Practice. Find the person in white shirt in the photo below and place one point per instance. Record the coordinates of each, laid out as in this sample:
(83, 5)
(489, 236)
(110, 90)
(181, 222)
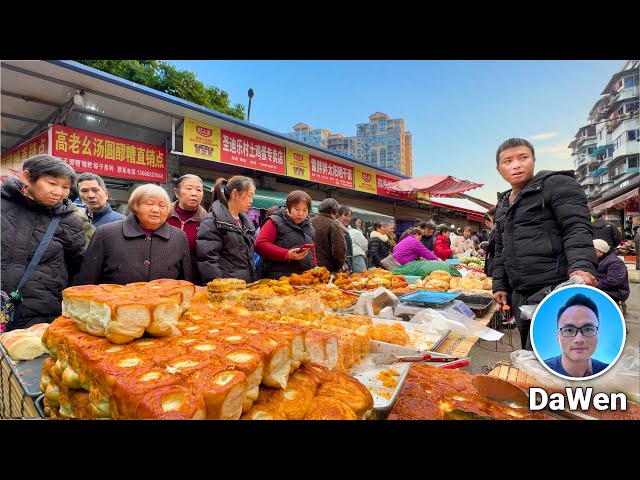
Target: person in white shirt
(360, 248)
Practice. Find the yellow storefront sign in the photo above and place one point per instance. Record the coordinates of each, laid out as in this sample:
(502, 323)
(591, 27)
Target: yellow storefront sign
(298, 164)
(365, 180)
(422, 197)
(201, 140)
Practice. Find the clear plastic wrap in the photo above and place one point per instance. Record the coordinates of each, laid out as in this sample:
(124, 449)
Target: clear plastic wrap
(527, 311)
(456, 322)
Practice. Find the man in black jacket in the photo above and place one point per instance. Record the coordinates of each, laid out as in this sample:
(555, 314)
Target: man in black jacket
(603, 230)
(543, 232)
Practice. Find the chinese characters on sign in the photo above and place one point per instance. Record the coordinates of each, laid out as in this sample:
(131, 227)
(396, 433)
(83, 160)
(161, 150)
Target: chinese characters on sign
(297, 164)
(365, 180)
(248, 152)
(201, 140)
(104, 155)
(330, 172)
(12, 160)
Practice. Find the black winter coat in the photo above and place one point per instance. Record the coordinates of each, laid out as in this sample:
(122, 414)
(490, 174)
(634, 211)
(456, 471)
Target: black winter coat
(544, 235)
(223, 249)
(613, 277)
(606, 231)
(23, 226)
(378, 249)
(120, 252)
(490, 250)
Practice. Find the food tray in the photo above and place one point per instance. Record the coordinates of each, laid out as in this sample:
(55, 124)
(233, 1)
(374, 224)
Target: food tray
(426, 297)
(40, 406)
(18, 393)
(421, 337)
(479, 305)
(369, 375)
(31, 372)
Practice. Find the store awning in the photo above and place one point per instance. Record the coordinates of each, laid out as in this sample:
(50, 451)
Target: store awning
(438, 185)
(598, 172)
(610, 203)
(459, 204)
(369, 216)
(265, 198)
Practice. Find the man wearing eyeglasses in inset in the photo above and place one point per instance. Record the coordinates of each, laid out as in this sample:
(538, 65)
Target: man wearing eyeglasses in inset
(577, 334)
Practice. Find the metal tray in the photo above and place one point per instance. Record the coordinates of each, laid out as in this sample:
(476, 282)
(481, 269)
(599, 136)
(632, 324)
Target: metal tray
(368, 374)
(40, 405)
(426, 297)
(479, 305)
(31, 372)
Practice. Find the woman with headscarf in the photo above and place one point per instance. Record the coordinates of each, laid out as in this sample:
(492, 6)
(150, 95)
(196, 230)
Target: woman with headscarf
(29, 204)
(224, 247)
(140, 248)
(186, 213)
(281, 236)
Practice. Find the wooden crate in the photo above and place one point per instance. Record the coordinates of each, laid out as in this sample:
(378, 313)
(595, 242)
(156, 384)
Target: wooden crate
(14, 402)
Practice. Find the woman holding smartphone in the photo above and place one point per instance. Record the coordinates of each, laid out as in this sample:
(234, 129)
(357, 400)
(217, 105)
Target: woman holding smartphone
(285, 239)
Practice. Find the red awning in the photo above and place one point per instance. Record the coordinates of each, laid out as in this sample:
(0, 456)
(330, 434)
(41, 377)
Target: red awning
(626, 196)
(460, 204)
(434, 185)
(475, 218)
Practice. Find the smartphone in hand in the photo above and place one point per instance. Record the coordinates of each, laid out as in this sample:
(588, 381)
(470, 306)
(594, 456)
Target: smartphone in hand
(306, 246)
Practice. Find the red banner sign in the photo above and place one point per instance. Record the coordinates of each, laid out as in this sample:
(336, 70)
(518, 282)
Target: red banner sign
(248, 152)
(110, 156)
(331, 173)
(13, 159)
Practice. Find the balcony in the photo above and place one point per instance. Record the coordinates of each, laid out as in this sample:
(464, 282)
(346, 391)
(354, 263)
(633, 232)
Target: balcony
(630, 147)
(587, 140)
(624, 94)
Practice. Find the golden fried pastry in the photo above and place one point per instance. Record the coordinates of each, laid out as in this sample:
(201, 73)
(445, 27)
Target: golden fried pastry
(440, 275)
(172, 403)
(327, 408)
(219, 285)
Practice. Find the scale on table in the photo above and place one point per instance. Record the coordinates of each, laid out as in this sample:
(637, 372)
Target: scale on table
(441, 301)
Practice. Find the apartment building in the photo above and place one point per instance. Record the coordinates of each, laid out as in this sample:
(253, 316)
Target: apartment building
(605, 151)
(383, 142)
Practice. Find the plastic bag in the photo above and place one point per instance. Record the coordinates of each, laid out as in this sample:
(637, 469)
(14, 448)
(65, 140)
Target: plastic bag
(455, 322)
(527, 311)
(423, 268)
(371, 303)
(623, 377)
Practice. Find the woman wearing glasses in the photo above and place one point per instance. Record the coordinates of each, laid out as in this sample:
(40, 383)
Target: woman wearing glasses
(577, 334)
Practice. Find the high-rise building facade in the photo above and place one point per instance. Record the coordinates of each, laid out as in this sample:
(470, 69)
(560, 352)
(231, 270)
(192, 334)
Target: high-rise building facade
(605, 151)
(383, 142)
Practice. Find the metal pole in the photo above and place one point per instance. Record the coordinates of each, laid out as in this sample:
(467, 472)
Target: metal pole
(250, 93)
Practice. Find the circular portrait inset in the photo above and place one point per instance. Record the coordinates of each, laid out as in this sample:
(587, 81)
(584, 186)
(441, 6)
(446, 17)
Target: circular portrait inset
(578, 332)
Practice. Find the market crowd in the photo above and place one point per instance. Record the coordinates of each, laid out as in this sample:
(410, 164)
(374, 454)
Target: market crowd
(538, 235)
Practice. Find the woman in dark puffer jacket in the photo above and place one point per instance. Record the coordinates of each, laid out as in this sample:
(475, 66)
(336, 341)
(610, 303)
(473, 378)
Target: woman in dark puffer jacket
(379, 246)
(224, 246)
(28, 205)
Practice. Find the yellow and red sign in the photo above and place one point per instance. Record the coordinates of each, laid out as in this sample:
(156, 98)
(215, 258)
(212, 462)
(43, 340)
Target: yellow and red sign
(365, 180)
(236, 149)
(109, 156)
(330, 172)
(423, 197)
(201, 140)
(13, 159)
(298, 164)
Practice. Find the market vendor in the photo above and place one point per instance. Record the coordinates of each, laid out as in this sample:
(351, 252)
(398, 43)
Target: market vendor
(411, 248)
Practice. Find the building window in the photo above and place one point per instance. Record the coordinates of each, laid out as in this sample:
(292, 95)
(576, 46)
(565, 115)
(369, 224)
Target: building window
(631, 82)
(632, 162)
(633, 134)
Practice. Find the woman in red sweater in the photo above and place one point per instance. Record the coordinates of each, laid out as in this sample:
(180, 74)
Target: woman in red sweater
(441, 248)
(281, 237)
